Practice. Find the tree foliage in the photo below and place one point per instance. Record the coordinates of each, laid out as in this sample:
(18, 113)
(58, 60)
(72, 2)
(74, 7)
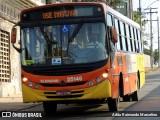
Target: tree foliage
(113, 3)
(156, 56)
(145, 42)
(146, 51)
(137, 18)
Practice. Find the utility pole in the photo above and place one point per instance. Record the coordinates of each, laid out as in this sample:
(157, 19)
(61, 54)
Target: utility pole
(140, 13)
(151, 35)
(158, 42)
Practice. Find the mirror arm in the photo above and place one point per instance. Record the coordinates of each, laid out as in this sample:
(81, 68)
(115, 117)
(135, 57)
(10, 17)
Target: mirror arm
(17, 24)
(17, 49)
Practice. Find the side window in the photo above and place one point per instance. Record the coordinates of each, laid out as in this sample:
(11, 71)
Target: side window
(122, 35)
(117, 27)
(128, 37)
(109, 20)
(139, 41)
(135, 39)
(132, 38)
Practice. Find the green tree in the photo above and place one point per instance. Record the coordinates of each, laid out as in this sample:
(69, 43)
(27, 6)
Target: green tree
(137, 18)
(155, 53)
(113, 3)
(146, 51)
(145, 43)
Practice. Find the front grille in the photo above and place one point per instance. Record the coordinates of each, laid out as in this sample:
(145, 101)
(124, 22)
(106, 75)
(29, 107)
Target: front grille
(72, 92)
(67, 84)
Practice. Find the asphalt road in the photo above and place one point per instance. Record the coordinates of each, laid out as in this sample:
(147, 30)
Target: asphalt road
(149, 102)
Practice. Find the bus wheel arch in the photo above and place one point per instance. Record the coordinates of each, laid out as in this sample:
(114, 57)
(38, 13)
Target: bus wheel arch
(113, 103)
(126, 98)
(134, 95)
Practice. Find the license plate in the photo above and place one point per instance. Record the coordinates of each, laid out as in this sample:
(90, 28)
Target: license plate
(63, 93)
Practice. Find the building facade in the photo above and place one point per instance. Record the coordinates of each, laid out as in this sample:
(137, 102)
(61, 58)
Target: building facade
(10, 77)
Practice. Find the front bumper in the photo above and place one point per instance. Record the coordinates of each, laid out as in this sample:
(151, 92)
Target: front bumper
(100, 91)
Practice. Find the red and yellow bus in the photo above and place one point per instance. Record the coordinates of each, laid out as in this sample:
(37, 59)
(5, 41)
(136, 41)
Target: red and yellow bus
(79, 52)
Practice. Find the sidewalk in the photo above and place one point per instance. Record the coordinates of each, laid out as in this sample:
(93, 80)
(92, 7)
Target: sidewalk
(15, 103)
(14, 98)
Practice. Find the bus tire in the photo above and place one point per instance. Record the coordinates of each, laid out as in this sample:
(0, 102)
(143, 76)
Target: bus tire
(127, 98)
(134, 96)
(50, 108)
(113, 104)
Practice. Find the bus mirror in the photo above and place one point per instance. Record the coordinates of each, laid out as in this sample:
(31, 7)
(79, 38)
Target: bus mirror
(13, 35)
(114, 35)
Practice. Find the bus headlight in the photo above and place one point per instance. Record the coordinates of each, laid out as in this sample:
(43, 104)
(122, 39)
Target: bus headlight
(90, 83)
(105, 75)
(98, 80)
(25, 79)
(30, 84)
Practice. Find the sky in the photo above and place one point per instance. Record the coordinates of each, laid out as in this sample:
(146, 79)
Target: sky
(152, 4)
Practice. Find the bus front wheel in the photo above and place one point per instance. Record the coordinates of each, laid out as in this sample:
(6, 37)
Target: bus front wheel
(113, 104)
(50, 108)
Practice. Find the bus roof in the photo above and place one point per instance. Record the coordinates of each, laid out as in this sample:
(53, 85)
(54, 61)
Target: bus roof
(66, 3)
(106, 8)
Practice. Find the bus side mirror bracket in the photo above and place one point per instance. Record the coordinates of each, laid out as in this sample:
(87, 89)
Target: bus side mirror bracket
(14, 37)
(114, 34)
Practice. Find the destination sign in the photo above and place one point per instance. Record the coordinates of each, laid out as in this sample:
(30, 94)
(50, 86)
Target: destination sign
(60, 14)
(54, 12)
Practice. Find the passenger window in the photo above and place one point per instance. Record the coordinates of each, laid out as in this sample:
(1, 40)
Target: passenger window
(117, 27)
(122, 36)
(135, 40)
(128, 37)
(139, 41)
(109, 20)
(132, 38)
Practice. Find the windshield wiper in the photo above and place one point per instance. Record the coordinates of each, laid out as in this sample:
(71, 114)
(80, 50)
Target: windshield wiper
(75, 32)
(46, 37)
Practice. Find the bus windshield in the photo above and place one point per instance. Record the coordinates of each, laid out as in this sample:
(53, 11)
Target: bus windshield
(63, 44)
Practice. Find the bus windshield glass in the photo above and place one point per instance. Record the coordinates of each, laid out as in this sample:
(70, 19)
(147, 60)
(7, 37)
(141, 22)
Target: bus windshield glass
(63, 44)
